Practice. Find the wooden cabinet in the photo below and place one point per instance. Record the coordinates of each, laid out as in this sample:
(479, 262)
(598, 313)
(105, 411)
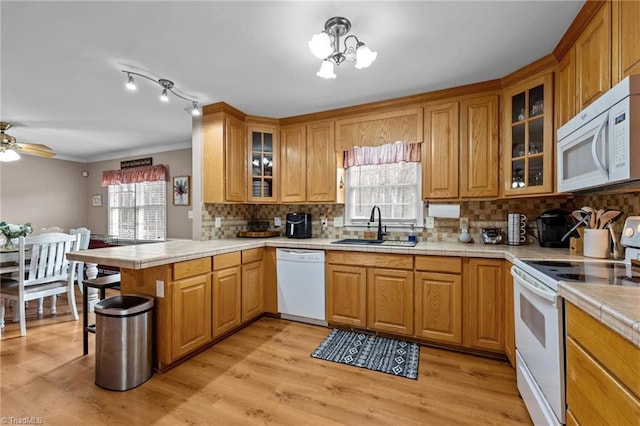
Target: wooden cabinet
(565, 88)
(483, 295)
(223, 158)
(593, 58)
(370, 290)
(252, 284)
(191, 310)
(528, 138)
(321, 163)
(479, 147)
(438, 298)
(603, 373)
(293, 184)
(460, 152)
(346, 295)
(625, 16)
(390, 300)
(270, 279)
(379, 129)
(262, 160)
(227, 276)
(509, 318)
(308, 163)
(440, 151)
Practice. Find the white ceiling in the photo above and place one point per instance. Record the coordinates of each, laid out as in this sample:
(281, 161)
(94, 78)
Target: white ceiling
(61, 61)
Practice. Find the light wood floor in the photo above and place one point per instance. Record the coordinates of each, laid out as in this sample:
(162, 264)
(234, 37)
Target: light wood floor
(261, 375)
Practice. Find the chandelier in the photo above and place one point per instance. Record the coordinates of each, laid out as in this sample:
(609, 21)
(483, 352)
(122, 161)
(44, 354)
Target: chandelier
(167, 86)
(326, 46)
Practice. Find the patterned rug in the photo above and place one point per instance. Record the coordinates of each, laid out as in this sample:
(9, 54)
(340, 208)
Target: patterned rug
(376, 353)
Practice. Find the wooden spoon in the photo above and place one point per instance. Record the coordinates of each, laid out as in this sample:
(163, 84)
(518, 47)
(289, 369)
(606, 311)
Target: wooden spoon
(609, 216)
(592, 216)
(599, 214)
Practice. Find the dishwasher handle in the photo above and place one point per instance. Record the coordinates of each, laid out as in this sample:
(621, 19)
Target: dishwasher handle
(298, 255)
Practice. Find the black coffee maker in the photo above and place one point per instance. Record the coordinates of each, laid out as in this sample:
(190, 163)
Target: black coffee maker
(552, 226)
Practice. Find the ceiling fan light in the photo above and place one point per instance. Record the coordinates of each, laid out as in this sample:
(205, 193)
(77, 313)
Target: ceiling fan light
(364, 56)
(320, 45)
(7, 155)
(131, 85)
(326, 70)
(164, 97)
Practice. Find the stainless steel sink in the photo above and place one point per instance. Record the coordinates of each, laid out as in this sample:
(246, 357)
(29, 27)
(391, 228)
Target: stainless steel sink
(360, 241)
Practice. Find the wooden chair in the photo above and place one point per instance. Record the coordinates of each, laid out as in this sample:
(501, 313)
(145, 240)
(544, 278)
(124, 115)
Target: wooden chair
(85, 237)
(48, 273)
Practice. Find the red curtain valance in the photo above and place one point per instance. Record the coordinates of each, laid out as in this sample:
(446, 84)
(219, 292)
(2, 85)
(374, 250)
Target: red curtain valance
(383, 154)
(135, 175)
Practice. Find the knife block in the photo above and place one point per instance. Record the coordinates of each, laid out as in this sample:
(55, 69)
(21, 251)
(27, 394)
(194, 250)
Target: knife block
(576, 244)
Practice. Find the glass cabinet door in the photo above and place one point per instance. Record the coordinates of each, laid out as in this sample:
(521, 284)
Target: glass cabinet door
(529, 154)
(261, 167)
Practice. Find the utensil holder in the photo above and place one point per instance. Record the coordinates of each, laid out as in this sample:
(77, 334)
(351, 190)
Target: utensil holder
(596, 243)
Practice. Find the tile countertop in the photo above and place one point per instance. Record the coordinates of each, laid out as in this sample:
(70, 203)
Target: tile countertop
(616, 307)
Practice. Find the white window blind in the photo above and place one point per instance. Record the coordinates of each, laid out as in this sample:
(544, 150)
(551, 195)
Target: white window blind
(395, 188)
(138, 211)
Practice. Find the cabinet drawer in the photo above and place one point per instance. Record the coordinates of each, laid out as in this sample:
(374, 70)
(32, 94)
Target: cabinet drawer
(226, 260)
(593, 395)
(191, 268)
(380, 260)
(617, 354)
(252, 255)
(450, 265)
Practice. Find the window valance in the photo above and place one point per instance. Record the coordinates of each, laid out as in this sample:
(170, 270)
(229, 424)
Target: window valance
(135, 175)
(383, 154)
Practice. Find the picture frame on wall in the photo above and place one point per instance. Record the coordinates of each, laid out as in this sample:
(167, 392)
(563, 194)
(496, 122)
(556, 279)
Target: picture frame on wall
(96, 200)
(181, 191)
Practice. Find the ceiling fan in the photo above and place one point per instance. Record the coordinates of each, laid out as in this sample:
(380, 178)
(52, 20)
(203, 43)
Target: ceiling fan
(9, 148)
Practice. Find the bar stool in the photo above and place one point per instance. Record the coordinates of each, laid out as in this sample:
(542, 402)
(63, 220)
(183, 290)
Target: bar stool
(102, 284)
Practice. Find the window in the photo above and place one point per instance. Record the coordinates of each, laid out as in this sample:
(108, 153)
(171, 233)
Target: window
(395, 188)
(137, 211)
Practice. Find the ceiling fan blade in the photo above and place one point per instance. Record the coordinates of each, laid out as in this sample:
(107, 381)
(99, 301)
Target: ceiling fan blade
(35, 151)
(35, 146)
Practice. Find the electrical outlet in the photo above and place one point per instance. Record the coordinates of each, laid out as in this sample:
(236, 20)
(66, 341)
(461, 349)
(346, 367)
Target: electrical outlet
(430, 222)
(218, 222)
(324, 222)
(338, 221)
(277, 221)
(464, 223)
(190, 214)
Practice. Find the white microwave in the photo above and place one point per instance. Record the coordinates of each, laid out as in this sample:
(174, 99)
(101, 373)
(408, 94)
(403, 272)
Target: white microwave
(601, 145)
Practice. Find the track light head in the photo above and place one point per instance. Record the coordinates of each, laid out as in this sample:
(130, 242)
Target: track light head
(167, 86)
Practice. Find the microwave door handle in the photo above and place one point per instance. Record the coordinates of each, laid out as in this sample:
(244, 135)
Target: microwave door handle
(596, 143)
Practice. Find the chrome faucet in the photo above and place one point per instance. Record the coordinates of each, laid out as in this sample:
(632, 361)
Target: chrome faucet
(373, 219)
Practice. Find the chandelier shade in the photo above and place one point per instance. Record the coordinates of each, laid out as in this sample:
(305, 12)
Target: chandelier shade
(167, 87)
(326, 46)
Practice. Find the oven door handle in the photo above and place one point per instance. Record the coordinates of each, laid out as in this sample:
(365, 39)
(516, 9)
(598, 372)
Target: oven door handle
(536, 288)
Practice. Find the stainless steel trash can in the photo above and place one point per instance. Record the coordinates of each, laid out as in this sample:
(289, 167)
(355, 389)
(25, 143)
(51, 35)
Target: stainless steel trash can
(124, 338)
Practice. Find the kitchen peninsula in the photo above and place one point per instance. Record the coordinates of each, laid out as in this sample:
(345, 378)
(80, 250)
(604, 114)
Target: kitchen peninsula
(238, 277)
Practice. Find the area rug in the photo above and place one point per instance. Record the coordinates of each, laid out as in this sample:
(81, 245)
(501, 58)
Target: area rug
(376, 353)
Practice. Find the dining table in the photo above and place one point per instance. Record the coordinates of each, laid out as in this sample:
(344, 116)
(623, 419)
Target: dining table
(9, 260)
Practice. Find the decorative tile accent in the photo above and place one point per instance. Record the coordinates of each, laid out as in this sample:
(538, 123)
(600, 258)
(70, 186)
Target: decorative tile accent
(481, 214)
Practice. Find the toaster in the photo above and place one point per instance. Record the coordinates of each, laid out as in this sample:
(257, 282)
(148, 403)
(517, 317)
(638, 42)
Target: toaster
(491, 235)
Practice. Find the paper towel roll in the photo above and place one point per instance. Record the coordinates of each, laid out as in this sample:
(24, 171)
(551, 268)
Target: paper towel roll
(444, 210)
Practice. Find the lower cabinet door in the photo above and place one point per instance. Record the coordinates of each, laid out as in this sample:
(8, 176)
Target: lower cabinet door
(226, 300)
(191, 314)
(346, 295)
(438, 307)
(390, 300)
(252, 291)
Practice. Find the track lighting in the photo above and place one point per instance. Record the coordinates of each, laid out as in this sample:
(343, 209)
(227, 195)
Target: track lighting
(326, 46)
(167, 86)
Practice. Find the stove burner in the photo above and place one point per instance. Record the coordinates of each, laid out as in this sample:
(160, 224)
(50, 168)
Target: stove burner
(579, 277)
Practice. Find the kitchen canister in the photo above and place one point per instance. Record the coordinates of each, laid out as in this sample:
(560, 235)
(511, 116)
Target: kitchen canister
(596, 243)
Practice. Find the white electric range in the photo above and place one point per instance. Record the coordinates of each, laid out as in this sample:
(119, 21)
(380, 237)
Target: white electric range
(539, 320)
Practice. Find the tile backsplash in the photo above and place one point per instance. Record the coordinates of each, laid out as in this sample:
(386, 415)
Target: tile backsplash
(481, 214)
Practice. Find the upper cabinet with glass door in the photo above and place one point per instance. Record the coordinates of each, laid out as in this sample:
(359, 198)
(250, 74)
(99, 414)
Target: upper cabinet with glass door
(262, 159)
(528, 138)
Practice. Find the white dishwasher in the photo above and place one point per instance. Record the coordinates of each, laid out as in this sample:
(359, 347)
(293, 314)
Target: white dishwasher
(301, 285)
